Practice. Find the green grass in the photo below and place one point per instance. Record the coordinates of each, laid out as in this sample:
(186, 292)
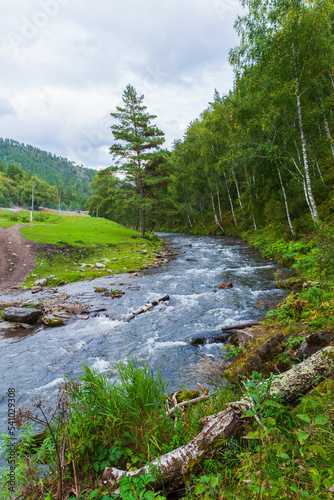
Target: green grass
(85, 240)
(82, 240)
(79, 232)
(9, 218)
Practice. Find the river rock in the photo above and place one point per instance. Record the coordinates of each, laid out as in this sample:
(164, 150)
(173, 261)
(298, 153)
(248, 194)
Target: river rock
(314, 343)
(35, 289)
(22, 315)
(56, 319)
(36, 303)
(100, 266)
(41, 282)
(7, 325)
(209, 338)
(246, 336)
(225, 284)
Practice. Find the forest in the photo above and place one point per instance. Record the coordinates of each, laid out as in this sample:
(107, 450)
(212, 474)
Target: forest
(72, 180)
(261, 156)
(16, 188)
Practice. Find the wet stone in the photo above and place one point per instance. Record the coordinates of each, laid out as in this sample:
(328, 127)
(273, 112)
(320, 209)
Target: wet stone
(22, 315)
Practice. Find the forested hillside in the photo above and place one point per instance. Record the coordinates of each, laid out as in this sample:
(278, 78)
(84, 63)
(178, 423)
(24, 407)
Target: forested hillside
(72, 180)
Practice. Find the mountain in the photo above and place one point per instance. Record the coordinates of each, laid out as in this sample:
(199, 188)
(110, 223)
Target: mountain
(57, 171)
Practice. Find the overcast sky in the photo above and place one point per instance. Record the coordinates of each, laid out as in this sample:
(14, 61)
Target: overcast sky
(65, 63)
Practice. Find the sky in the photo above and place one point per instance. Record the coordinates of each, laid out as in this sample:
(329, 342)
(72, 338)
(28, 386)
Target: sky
(65, 64)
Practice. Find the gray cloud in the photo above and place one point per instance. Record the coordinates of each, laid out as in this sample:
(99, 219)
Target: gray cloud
(5, 107)
(66, 63)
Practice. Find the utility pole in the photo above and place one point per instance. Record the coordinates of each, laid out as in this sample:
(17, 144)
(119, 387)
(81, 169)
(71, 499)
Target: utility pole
(59, 202)
(32, 203)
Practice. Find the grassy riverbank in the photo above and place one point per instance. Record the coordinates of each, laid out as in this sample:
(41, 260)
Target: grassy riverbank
(75, 248)
(284, 451)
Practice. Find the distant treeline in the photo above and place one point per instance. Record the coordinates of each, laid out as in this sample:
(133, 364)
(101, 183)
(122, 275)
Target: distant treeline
(72, 180)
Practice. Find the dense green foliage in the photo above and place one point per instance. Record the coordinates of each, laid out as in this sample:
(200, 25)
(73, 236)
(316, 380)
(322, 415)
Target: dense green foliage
(16, 188)
(284, 452)
(72, 180)
(262, 156)
(136, 146)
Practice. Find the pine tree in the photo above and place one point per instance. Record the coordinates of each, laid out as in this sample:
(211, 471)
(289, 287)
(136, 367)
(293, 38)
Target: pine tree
(137, 144)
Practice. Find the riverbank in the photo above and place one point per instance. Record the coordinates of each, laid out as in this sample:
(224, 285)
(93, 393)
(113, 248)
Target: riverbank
(62, 249)
(235, 468)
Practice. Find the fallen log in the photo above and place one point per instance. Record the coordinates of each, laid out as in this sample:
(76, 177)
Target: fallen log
(240, 327)
(174, 468)
(303, 377)
(148, 306)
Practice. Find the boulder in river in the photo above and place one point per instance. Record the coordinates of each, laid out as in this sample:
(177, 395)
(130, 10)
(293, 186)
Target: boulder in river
(22, 314)
(41, 282)
(56, 319)
(225, 284)
(210, 338)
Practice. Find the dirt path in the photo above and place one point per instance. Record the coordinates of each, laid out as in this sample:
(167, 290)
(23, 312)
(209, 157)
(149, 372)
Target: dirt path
(17, 257)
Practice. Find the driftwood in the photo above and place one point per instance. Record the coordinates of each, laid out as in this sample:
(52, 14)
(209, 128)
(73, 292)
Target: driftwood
(240, 327)
(183, 404)
(174, 468)
(147, 307)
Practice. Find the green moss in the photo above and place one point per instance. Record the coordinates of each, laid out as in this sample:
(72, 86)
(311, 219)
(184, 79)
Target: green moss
(186, 395)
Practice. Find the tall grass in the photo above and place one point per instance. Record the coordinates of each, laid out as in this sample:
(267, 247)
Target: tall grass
(118, 423)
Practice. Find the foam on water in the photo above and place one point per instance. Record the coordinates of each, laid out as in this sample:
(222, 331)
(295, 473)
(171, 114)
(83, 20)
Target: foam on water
(160, 337)
(100, 365)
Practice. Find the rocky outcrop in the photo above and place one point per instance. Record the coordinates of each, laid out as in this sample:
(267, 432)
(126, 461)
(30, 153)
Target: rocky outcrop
(22, 314)
(313, 343)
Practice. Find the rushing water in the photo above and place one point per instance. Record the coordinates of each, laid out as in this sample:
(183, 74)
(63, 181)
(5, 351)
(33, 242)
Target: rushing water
(34, 362)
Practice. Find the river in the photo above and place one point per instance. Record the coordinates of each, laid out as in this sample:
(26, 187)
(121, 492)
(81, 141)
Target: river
(34, 362)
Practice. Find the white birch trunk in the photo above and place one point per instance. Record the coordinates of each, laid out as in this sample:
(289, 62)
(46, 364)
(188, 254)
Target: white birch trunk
(214, 212)
(286, 203)
(219, 207)
(329, 137)
(236, 186)
(319, 171)
(231, 203)
(314, 211)
(254, 223)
